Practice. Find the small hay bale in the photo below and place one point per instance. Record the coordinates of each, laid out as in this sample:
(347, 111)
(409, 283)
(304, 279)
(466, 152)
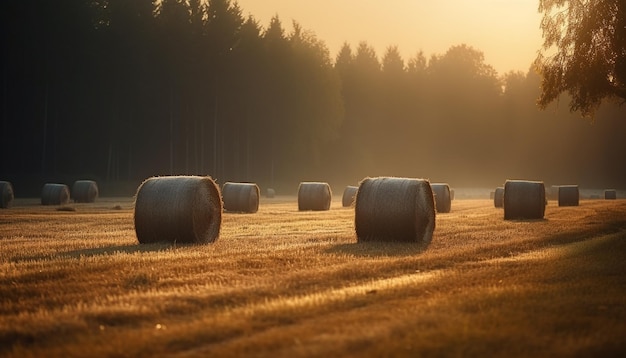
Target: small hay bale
(395, 209)
(524, 199)
(442, 197)
(314, 196)
(270, 193)
(6, 195)
(55, 194)
(178, 209)
(498, 197)
(349, 194)
(610, 194)
(568, 195)
(240, 197)
(85, 191)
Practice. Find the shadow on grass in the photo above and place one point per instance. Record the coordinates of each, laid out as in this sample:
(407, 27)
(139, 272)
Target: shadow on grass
(127, 249)
(378, 249)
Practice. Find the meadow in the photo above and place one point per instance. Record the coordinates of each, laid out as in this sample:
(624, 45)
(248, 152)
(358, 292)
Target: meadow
(285, 283)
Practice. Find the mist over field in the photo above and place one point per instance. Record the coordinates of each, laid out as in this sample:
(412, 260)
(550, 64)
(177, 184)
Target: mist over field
(128, 91)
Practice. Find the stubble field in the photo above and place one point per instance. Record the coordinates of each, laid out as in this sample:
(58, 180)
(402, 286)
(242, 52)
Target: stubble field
(284, 283)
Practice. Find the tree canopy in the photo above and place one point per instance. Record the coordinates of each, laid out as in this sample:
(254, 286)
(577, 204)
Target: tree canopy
(120, 90)
(584, 52)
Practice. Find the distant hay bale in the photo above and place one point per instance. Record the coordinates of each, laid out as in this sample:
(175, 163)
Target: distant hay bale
(314, 196)
(55, 194)
(349, 194)
(524, 199)
(498, 197)
(442, 197)
(610, 194)
(568, 195)
(270, 193)
(178, 209)
(552, 192)
(394, 209)
(240, 197)
(6, 195)
(85, 191)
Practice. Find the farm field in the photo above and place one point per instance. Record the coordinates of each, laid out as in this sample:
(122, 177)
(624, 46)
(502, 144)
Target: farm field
(284, 283)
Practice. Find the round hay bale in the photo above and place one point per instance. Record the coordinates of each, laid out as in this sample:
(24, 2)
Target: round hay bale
(314, 196)
(349, 194)
(240, 197)
(6, 194)
(568, 195)
(610, 194)
(270, 193)
(442, 197)
(524, 199)
(85, 191)
(178, 209)
(498, 197)
(55, 194)
(395, 209)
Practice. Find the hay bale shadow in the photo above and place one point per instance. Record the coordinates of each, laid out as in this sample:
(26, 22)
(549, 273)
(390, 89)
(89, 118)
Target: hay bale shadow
(378, 249)
(111, 250)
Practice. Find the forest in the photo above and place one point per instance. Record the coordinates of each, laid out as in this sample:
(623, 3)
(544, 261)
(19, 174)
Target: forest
(121, 90)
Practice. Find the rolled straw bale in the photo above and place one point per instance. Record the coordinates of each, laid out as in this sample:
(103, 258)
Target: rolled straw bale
(349, 194)
(610, 194)
(394, 209)
(6, 194)
(55, 194)
(85, 191)
(498, 197)
(524, 199)
(178, 209)
(442, 197)
(270, 193)
(552, 192)
(314, 196)
(240, 197)
(568, 195)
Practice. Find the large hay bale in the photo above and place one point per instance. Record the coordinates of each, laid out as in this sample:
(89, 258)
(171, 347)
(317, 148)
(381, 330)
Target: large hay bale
(610, 194)
(569, 195)
(55, 194)
(395, 209)
(178, 209)
(524, 199)
(498, 197)
(85, 191)
(349, 194)
(6, 194)
(314, 196)
(443, 201)
(240, 197)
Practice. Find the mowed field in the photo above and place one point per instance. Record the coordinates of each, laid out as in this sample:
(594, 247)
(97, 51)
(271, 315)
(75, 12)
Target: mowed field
(284, 283)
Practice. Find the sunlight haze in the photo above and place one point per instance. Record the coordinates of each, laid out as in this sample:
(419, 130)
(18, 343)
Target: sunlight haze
(506, 31)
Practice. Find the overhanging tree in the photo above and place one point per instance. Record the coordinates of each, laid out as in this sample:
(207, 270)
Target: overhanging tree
(584, 52)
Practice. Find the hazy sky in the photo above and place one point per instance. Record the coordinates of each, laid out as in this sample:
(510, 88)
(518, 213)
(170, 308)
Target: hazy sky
(506, 31)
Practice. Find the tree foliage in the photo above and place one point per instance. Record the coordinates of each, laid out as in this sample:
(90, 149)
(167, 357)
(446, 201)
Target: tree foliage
(120, 90)
(584, 52)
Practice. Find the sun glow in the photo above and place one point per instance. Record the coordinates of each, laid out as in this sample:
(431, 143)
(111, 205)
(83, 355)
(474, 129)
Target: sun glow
(506, 31)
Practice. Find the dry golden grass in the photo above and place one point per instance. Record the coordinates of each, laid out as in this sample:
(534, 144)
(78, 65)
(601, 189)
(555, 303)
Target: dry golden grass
(285, 283)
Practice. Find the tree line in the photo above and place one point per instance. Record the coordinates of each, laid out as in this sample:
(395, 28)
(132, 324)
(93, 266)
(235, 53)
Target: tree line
(120, 90)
